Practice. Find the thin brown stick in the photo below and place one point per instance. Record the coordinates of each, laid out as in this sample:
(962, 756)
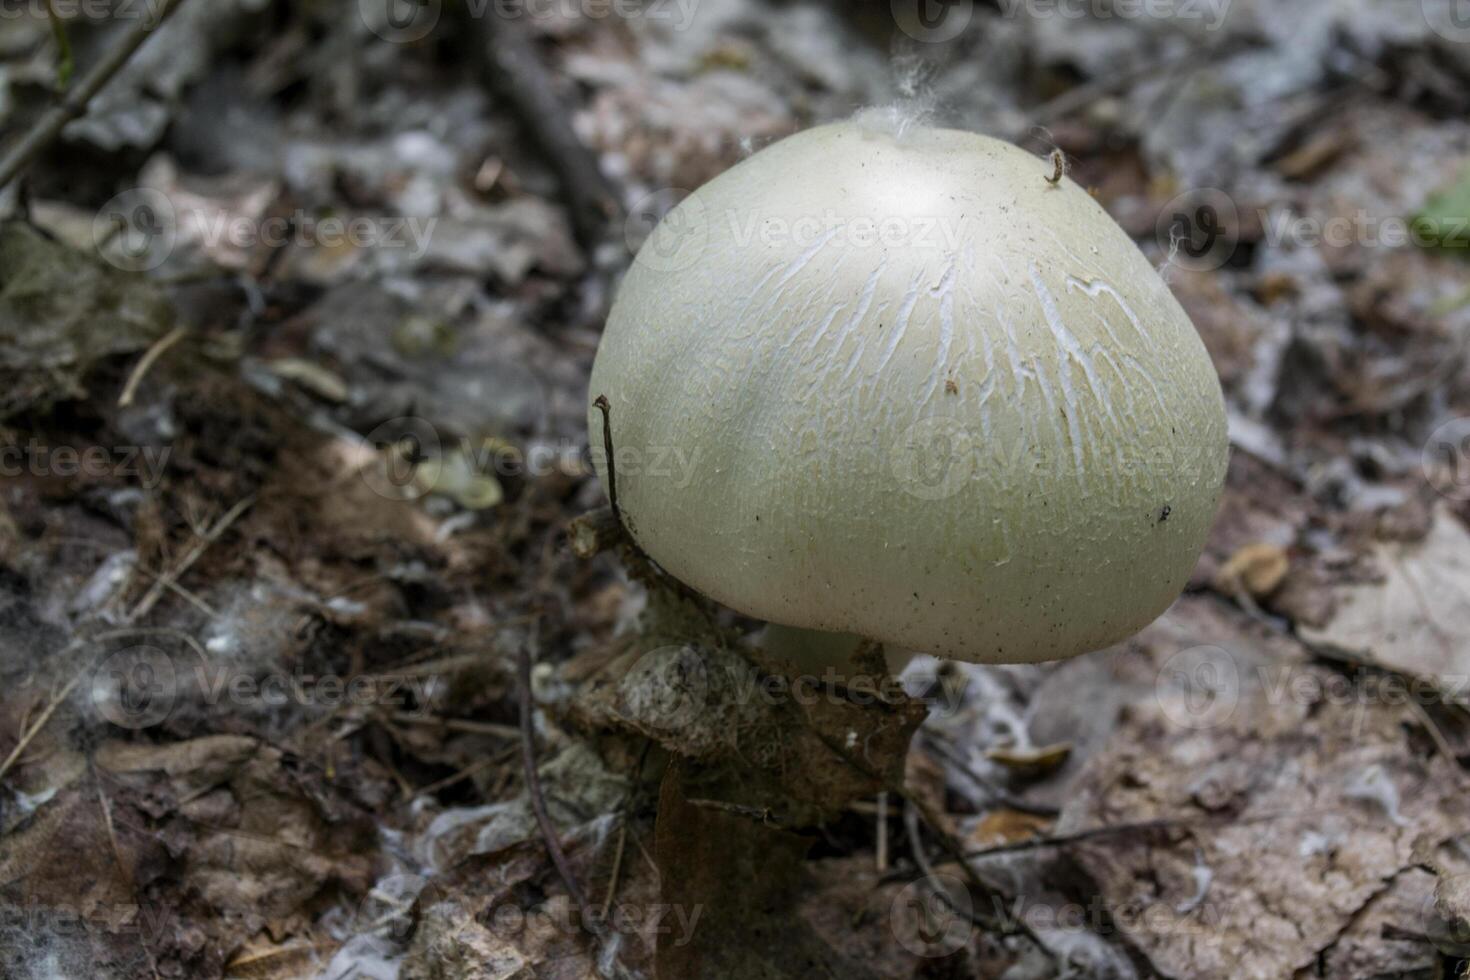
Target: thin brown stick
(515, 73)
(117, 854)
(760, 814)
(882, 843)
(74, 105)
(605, 407)
(463, 774)
(612, 885)
(1112, 830)
(209, 537)
(538, 799)
(456, 724)
(950, 845)
(29, 735)
(180, 591)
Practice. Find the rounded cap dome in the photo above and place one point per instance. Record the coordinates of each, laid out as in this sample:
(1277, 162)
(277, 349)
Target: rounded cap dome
(904, 386)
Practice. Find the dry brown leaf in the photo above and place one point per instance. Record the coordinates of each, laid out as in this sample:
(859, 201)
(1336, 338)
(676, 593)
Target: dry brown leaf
(1003, 826)
(1313, 803)
(1413, 621)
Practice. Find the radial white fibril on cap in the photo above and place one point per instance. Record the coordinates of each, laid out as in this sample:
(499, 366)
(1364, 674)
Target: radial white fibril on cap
(927, 396)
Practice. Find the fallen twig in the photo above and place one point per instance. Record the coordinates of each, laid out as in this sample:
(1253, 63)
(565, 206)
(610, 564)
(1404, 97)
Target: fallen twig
(117, 855)
(605, 407)
(612, 885)
(456, 724)
(760, 814)
(74, 105)
(514, 71)
(209, 537)
(951, 846)
(463, 774)
(881, 857)
(1113, 830)
(538, 800)
(40, 723)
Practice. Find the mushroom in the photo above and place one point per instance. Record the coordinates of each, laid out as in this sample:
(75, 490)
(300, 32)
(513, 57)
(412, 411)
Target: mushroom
(922, 394)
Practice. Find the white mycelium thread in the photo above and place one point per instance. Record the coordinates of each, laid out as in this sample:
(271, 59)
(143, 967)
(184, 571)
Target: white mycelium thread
(930, 398)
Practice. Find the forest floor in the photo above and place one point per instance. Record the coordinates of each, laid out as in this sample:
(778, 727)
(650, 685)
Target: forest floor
(258, 667)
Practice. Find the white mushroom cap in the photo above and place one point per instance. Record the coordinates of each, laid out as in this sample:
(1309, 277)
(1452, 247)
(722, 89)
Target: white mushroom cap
(906, 387)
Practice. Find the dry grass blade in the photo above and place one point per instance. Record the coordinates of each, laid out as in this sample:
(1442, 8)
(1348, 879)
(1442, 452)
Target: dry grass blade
(38, 724)
(209, 537)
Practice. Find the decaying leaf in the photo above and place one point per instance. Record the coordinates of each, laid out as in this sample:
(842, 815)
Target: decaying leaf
(1293, 810)
(62, 313)
(1413, 620)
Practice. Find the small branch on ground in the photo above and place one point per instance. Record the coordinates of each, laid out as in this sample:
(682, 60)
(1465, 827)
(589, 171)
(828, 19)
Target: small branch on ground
(951, 846)
(538, 800)
(209, 537)
(760, 814)
(74, 105)
(40, 723)
(514, 71)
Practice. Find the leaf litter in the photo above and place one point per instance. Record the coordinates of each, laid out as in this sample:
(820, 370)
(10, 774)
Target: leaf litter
(1268, 782)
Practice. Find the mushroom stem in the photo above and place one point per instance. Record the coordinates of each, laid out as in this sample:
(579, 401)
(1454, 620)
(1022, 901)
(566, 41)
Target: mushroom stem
(816, 652)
